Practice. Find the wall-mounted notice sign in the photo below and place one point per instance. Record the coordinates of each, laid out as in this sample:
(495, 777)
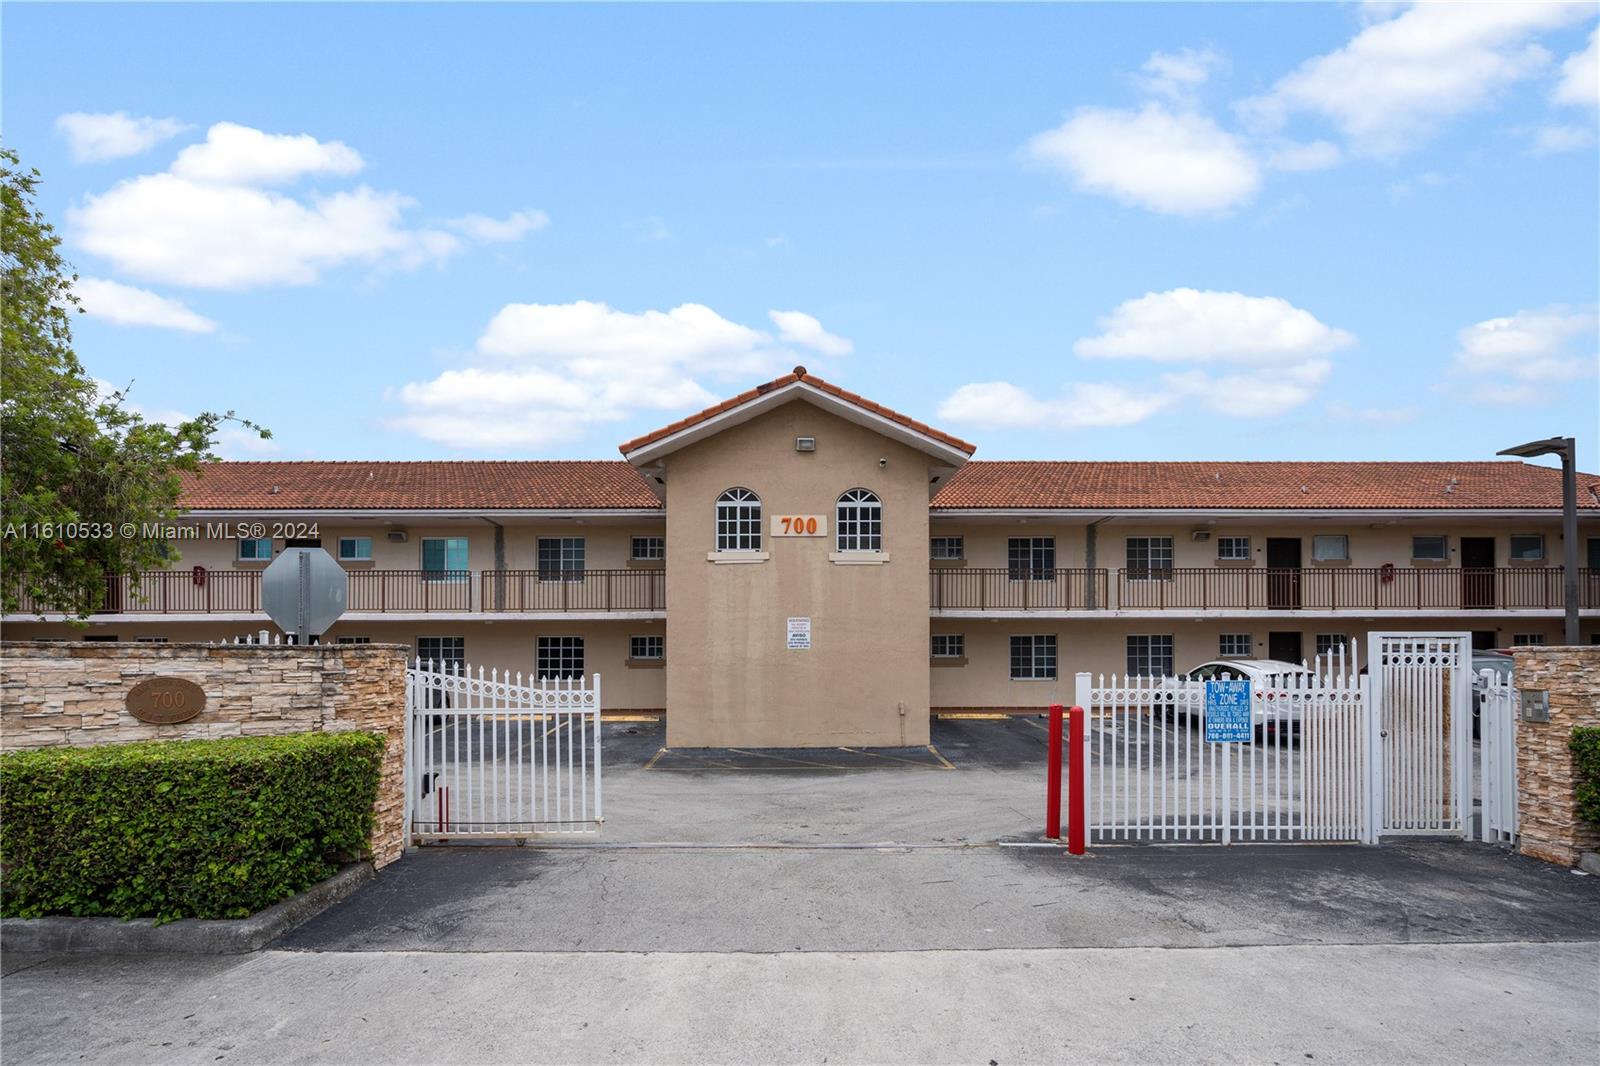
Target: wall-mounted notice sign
(799, 525)
(799, 634)
(1229, 719)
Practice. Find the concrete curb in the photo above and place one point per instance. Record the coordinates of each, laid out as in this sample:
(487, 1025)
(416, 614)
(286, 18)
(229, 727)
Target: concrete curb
(188, 936)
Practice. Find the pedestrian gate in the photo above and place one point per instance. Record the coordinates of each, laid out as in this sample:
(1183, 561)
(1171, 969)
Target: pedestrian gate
(1338, 752)
(490, 755)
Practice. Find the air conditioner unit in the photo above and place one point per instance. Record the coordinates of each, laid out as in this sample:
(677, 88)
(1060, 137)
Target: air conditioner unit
(1200, 534)
(397, 536)
(805, 444)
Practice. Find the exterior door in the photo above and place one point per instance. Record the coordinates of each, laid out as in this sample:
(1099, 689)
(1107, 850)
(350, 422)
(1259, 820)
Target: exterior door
(1283, 574)
(1477, 572)
(1285, 647)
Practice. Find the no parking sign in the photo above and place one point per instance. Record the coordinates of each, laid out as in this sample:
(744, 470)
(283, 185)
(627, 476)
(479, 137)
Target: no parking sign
(1228, 718)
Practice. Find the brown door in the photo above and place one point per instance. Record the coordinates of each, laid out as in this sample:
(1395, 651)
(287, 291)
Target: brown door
(1283, 573)
(1477, 571)
(1285, 647)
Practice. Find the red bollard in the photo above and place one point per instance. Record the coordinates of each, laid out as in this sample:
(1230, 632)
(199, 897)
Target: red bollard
(1052, 801)
(1078, 813)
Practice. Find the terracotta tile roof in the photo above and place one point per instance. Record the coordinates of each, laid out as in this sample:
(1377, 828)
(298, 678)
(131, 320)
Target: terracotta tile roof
(489, 485)
(1245, 486)
(799, 374)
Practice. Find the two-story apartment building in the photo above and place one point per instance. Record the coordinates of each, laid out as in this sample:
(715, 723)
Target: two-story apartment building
(835, 570)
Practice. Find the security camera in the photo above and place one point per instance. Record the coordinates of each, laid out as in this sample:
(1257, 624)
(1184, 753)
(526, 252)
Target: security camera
(882, 463)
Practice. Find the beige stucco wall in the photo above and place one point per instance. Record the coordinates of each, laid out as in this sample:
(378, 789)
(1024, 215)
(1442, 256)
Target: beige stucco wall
(732, 680)
(501, 645)
(73, 694)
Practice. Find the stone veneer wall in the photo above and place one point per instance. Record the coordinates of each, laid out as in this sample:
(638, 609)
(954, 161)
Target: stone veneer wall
(1549, 826)
(72, 693)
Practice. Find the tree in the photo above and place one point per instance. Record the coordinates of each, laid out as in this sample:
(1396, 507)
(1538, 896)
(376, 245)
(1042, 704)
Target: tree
(79, 469)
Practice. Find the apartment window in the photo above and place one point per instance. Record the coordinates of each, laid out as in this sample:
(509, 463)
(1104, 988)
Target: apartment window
(1435, 549)
(1594, 554)
(1233, 549)
(1150, 656)
(858, 526)
(560, 558)
(1150, 558)
(1033, 658)
(949, 645)
(646, 648)
(444, 558)
(355, 640)
(1031, 558)
(947, 548)
(560, 657)
(1527, 547)
(1330, 548)
(1526, 640)
(1332, 642)
(149, 640)
(355, 549)
(649, 549)
(255, 549)
(1234, 645)
(738, 521)
(447, 653)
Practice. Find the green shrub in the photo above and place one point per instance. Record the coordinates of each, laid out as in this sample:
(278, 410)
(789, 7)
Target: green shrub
(194, 828)
(1585, 745)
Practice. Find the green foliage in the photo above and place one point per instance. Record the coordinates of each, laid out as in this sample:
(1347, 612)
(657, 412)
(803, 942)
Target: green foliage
(74, 451)
(194, 828)
(1585, 746)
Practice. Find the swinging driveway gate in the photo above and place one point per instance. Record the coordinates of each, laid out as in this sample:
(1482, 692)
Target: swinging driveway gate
(1337, 754)
(492, 756)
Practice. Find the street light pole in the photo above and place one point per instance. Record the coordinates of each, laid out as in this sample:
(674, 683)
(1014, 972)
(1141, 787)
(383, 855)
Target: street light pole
(1567, 449)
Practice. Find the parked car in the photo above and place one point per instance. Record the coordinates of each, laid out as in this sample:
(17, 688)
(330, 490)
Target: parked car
(1500, 663)
(1266, 677)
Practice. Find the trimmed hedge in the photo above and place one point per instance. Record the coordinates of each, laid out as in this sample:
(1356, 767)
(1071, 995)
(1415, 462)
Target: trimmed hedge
(182, 829)
(1585, 746)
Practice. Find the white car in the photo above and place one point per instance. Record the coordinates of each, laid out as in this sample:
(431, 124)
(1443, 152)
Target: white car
(1267, 687)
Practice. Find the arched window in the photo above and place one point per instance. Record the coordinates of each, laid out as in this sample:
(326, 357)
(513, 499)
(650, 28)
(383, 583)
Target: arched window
(859, 522)
(738, 521)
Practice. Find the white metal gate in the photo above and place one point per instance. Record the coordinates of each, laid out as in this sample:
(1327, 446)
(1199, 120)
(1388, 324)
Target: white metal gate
(1152, 777)
(1496, 703)
(490, 755)
(1422, 721)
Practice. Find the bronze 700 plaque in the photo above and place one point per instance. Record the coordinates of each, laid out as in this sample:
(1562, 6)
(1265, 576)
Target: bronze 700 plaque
(166, 700)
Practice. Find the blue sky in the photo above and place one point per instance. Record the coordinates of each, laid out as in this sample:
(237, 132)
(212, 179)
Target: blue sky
(1079, 232)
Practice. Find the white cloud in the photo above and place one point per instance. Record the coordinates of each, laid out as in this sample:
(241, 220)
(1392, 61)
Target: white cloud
(1532, 347)
(238, 155)
(209, 227)
(1000, 404)
(797, 327)
(1551, 140)
(1374, 416)
(128, 306)
(1261, 394)
(1580, 76)
(1179, 75)
(1401, 76)
(1294, 156)
(1165, 161)
(1190, 325)
(92, 138)
(555, 369)
(513, 227)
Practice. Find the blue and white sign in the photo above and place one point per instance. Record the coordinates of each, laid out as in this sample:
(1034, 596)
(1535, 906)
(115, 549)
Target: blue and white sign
(1228, 716)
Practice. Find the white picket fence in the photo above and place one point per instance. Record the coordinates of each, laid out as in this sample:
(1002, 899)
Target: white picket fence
(1152, 777)
(492, 755)
(1498, 709)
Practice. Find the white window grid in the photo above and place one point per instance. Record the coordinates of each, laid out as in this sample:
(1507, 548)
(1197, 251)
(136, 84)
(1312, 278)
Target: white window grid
(1233, 549)
(947, 548)
(1430, 547)
(561, 558)
(1031, 558)
(255, 549)
(1150, 655)
(738, 521)
(1527, 547)
(1235, 645)
(560, 657)
(1149, 558)
(355, 640)
(355, 549)
(1526, 640)
(649, 549)
(1328, 643)
(858, 525)
(949, 645)
(1330, 548)
(647, 647)
(444, 559)
(1033, 657)
(449, 651)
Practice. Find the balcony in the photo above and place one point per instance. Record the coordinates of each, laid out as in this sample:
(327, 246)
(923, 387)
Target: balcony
(398, 592)
(1004, 589)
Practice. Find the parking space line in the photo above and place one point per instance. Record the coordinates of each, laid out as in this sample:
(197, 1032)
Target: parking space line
(795, 762)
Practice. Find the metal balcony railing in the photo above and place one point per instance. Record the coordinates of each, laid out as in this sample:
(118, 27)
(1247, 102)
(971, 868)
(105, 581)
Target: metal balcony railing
(572, 590)
(1024, 588)
(1387, 588)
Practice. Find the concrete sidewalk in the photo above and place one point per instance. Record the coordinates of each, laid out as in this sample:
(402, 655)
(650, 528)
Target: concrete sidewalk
(1499, 1003)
